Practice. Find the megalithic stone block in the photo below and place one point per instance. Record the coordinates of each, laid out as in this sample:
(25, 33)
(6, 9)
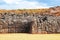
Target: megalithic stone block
(34, 26)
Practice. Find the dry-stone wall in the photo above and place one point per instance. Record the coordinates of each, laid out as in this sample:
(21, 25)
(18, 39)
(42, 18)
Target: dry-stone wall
(26, 23)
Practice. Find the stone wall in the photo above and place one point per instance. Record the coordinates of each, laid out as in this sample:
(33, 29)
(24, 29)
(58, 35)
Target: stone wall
(26, 23)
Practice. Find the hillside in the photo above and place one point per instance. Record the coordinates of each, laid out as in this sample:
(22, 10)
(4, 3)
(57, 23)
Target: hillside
(51, 11)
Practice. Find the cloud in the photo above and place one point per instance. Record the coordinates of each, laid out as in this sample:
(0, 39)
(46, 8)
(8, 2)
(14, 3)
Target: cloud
(23, 4)
(12, 1)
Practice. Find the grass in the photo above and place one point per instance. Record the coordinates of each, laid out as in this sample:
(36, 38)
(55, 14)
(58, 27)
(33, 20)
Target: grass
(21, 36)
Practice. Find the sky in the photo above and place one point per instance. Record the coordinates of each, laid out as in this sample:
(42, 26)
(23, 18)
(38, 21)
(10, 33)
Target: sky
(28, 4)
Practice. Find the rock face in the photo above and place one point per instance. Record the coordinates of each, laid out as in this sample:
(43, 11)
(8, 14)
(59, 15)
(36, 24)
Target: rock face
(26, 23)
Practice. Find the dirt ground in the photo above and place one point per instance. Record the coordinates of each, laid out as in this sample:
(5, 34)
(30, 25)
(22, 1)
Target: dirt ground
(29, 36)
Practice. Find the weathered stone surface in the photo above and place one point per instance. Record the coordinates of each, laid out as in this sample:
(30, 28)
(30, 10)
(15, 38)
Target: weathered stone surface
(26, 23)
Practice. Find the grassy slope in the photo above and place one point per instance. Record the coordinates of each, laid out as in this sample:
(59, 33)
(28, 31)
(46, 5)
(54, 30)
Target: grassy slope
(30, 11)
